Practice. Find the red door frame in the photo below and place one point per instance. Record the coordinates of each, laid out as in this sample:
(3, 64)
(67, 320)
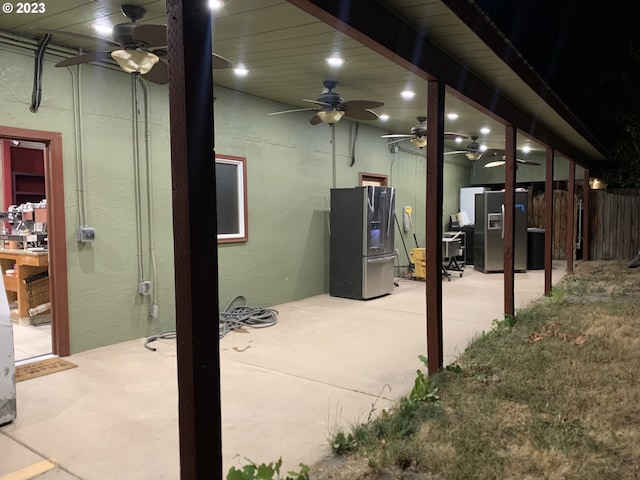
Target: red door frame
(54, 177)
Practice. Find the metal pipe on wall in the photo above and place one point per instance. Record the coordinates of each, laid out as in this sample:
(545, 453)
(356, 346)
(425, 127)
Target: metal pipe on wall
(76, 79)
(29, 43)
(153, 312)
(136, 177)
(333, 152)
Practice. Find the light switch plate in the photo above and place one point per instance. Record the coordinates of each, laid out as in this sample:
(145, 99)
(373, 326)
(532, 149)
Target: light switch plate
(86, 234)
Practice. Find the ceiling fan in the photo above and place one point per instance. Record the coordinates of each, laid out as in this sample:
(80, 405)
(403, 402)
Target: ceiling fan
(332, 107)
(474, 150)
(418, 135)
(139, 48)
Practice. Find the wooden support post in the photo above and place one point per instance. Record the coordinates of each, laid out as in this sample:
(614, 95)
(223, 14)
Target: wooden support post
(548, 223)
(196, 271)
(509, 218)
(585, 216)
(433, 209)
(571, 205)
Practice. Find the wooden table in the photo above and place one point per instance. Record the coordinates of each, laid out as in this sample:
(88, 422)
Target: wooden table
(28, 263)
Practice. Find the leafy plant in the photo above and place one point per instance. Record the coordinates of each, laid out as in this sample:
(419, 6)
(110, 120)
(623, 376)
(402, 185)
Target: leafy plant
(557, 294)
(423, 389)
(454, 368)
(502, 326)
(343, 443)
(271, 471)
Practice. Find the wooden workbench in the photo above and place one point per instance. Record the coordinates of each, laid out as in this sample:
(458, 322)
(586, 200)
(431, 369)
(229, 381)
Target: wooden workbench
(28, 263)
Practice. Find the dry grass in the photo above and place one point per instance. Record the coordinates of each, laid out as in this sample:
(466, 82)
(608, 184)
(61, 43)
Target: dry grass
(554, 396)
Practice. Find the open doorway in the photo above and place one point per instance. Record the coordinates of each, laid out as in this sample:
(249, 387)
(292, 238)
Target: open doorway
(33, 241)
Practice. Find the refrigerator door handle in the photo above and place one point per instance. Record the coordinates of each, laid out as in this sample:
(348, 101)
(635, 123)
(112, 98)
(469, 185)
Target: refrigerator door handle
(502, 222)
(382, 258)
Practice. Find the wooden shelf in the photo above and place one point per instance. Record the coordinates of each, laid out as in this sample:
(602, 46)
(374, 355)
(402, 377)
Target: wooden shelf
(27, 187)
(10, 283)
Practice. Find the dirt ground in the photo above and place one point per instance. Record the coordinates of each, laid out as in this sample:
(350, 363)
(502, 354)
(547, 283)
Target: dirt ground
(608, 276)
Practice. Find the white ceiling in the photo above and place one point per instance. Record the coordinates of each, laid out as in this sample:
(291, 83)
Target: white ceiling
(284, 49)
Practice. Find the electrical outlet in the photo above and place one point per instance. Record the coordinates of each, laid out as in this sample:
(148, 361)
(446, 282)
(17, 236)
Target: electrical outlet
(144, 287)
(86, 234)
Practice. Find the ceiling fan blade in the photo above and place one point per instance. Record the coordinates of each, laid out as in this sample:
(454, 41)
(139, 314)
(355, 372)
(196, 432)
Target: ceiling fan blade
(294, 110)
(315, 120)
(495, 163)
(358, 114)
(150, 35)
(324, 104)
(454, 135)
(397, 135)
(360, 105)
(84, 58)
(159, 73)
(393, 142)
(456, 152)
(220, 63)
(498, 163)
(99, 40)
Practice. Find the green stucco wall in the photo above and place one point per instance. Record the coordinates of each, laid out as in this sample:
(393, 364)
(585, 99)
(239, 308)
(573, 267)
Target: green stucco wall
(289, 177)
(104, 306)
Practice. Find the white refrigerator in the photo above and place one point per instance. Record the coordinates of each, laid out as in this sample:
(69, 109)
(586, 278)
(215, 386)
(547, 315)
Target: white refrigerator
(468, 201)
(7, 362)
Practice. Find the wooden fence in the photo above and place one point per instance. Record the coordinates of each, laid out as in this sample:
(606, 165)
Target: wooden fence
(536, 219)
(614, 223)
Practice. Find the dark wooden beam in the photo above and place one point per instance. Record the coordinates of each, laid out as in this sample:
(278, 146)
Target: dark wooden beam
(433, 209)
(571, 205)
(548, 223)
(378, 28)
(509, 218)
(196, 271)
(473, 16)
(586, 254)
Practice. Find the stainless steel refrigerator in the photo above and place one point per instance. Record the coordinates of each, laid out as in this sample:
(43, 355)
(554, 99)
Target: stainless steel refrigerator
(489, 232)
(362, 250)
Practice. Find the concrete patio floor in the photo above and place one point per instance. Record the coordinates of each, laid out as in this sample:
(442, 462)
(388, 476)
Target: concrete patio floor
(284, 388)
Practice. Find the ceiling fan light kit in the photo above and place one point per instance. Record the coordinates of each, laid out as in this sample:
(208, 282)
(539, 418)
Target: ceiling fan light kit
(473, 156)
(330, 116)
(419, 142)
(135, 61)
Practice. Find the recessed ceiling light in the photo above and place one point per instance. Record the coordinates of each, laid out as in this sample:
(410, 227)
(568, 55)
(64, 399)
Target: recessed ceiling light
(452, 116)
(334, 60)
(458, 139)
(485, 130)
(407, 94)
(216, 4)
(384, 117)
(240, 71)
(526, 149)
(103, 29)
(483, 148)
